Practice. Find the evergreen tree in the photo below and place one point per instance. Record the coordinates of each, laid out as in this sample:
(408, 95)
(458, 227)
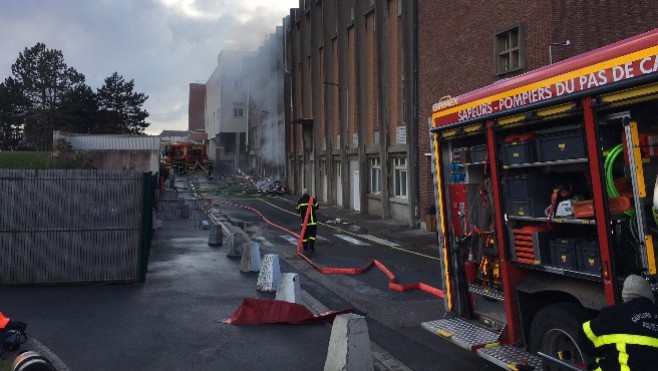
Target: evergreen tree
(78, 112)
(44, 79)
(13, 105)
(120, 109)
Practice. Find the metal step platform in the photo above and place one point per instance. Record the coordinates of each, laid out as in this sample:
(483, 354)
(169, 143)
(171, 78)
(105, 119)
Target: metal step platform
(470, 336)
(507, 356)
(461, 332)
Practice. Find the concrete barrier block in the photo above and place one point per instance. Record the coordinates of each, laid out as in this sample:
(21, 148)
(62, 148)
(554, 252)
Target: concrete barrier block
(216, 237)
(250, 258)
(270, 273)
(349, 345)
(289, 289)
(235, 246)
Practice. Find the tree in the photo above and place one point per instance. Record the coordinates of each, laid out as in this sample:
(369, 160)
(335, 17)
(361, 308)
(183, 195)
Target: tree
(78, 111)
(12, 108)
(44, 79)
(120, 108)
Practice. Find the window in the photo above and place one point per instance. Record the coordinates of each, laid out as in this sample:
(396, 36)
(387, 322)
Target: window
(509, 50)
(238, 109)
(400, 173)
(375, 176)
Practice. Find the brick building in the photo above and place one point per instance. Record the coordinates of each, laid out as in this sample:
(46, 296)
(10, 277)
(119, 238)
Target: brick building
(352, 135)
(196, 107)
(362, 76)
(465, 47)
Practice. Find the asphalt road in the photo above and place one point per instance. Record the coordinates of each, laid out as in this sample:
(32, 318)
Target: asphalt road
(394, 318)
(170, 321)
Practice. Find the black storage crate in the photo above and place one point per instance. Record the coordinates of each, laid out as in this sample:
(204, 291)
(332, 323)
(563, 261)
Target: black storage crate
(561, 146)
(478, 153)
(526, 207)
(461, 155)
(589, 259)
(518, 152)
(563, 253)
(535, 186)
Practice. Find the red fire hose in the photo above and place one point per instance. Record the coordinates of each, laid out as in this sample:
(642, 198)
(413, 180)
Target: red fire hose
(393, 285)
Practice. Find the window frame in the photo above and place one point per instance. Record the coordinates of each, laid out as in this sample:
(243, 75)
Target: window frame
(375, 175)
(506, 53)
(400, 186)
(238, 109)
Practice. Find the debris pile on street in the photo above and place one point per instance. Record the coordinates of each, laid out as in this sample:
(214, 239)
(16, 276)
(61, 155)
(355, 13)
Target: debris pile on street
(339, 221)
(270, 186)
(236, 184)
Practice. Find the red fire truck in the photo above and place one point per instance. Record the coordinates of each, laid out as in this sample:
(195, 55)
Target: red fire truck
(183, 156)
(545, 193)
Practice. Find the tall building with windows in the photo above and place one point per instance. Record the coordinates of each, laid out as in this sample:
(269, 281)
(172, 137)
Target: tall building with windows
(352, 134)
(362, 76)
(227, 109)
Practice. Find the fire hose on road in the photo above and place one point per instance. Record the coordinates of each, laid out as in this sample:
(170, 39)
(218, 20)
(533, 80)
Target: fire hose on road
(393, 285)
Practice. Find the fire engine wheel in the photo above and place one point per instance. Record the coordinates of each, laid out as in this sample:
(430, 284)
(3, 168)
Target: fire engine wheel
(554, 332)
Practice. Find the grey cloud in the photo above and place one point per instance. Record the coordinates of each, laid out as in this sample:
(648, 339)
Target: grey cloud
(155, 45)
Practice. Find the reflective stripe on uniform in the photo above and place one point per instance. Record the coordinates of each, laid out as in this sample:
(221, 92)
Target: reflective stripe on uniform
(620, 341)
(627, 339)
(311, 220)
(623, 357)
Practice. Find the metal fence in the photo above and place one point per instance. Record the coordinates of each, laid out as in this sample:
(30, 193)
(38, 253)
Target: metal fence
(74, 226)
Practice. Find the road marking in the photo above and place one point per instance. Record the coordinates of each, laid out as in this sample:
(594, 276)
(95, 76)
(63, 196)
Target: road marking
(263, 241)
(351, 240)
(380, 241)
(374, 239)
(289, 238)
(293, 240)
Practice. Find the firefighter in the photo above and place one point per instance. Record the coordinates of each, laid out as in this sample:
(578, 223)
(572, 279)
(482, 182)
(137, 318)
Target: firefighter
(625, 336)
(308, 240)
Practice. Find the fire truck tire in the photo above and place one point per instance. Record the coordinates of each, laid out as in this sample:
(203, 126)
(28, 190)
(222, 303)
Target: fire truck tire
(555, 330)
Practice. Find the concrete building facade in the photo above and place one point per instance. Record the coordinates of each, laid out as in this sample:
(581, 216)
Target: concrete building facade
(227, 108)
(352, 124)
(462, 47)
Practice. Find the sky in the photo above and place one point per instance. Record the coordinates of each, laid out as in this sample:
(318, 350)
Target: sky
(162, 45)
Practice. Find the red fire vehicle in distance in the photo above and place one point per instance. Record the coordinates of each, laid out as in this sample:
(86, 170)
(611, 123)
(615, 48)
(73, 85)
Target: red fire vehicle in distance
(184, 156)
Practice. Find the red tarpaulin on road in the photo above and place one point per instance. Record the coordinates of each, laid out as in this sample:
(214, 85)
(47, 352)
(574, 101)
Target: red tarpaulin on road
(260, 311)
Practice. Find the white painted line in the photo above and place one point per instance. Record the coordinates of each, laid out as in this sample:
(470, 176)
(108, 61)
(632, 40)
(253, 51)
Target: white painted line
(352, 240)
(263, 240)
(293, 240)
(289, 238)
(380, 241)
